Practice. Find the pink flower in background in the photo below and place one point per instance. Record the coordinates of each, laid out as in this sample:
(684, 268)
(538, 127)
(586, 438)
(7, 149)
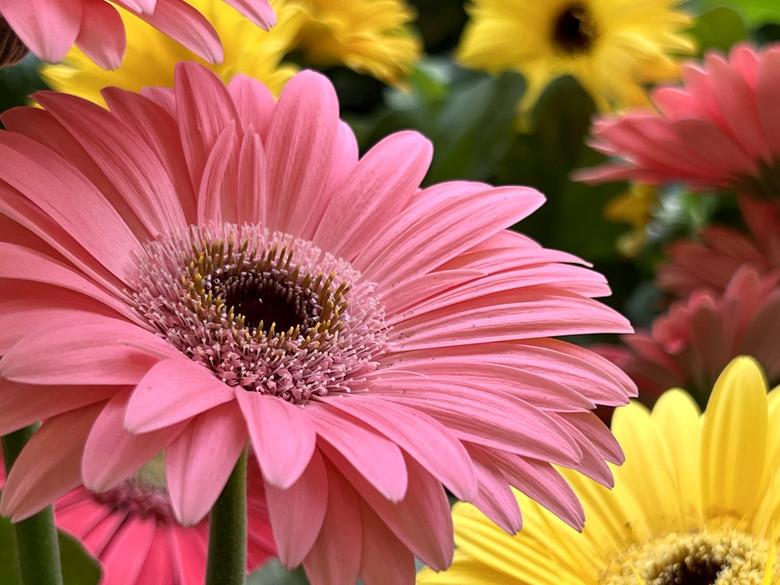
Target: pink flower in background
(721, 130)
(709, 262)
(204, 267)
(689, 345)
(49, 28)
(132, 531)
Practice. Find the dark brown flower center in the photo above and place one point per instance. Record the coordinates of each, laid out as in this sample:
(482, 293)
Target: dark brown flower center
(12, 49)
(574, 30)
(691, 571)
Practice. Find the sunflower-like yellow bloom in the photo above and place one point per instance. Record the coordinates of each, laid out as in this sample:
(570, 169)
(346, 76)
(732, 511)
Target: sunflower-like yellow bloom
(151, 56)
(369, 36)
(697, 502)
(612, 47)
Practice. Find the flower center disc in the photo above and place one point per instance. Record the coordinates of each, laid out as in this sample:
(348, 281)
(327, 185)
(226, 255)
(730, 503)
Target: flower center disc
(574, 30)
(701, 558)
(265, 311)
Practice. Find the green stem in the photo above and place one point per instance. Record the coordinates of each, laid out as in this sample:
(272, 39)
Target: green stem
(227, 535)
(37, 546)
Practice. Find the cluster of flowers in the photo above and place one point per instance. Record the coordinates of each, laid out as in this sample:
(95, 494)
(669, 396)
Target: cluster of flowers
(203, 265)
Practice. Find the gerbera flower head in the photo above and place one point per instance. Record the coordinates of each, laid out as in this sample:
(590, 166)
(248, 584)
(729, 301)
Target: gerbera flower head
(707, 513)
(225, 270)
(370, 37)
(49, 28)
(710, 261)
(718, 131)
(611, 47)
(151, 56)
(689, 345)
(133, 533)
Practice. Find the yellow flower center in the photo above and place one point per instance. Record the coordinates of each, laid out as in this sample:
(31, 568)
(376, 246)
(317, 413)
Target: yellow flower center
(574, 29)
(700, 558)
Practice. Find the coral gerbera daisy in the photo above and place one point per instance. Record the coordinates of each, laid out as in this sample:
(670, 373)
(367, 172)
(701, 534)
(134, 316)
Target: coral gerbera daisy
(689, 345)
(695, 503)
(612, 47)
(719, 131)
(710, 261)
(50, 27)
(132, 531)
(151, 56)
(224, 270)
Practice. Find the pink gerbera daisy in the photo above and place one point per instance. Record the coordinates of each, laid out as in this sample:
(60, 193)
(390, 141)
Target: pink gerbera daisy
(49, 28)
(720, 131)
(132, 531)
(203, 267)
(709, 262)
(689, 345)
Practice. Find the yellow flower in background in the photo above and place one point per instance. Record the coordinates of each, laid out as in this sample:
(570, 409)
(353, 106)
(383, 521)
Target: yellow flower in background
(369, 36)
(634, 207)
(151, 56)
(697, 502)
(612, 47)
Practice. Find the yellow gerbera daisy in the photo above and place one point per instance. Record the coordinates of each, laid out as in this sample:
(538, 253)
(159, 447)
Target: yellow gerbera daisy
(697, 502)
(369, 36)
(151, 56)
(612, 47)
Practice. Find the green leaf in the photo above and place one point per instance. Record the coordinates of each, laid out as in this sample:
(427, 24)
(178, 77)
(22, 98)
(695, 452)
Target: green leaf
(719, 28)
(274, 573)
(755, 12)
(78, 568)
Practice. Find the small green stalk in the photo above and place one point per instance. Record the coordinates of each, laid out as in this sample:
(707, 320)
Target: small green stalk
(227, 535)
(38, 550)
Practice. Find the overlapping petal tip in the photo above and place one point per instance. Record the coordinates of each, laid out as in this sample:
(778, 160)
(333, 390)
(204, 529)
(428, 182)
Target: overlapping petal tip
(49, 28)
(444, 372)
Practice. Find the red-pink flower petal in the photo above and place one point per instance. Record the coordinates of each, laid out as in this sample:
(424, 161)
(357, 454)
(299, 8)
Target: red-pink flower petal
(48, 27)
(102, 34)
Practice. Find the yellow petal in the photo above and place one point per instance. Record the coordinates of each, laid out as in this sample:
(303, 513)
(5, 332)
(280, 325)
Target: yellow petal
(733, 450)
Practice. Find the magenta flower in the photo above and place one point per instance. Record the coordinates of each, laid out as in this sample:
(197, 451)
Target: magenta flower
(721, 130)
(203, 267)
(132, 531)
(689, 345)
(710, 261)
(49, 28)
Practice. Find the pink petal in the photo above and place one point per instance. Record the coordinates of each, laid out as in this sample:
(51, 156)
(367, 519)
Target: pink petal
(158, 567)
(112, 454)
(254, 102)
(204, 110)
(159, 130)
(217, 182)
(379, 187)
(106, 351)
(252, 187)
(300, 147)
(127, 161)
(258, 11)
(335, 557)
(189, 550)
(41, 175)
(378, 460)
(49, 465)
(421, 436)
(172, 391)
(200, 460)
(48, 27)
(495, 498)
(24, 404)
(283, 437)
(121, 568)
(386, 561)
(102, 34)
(767, 90)
(184, 24)
(297, 513)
